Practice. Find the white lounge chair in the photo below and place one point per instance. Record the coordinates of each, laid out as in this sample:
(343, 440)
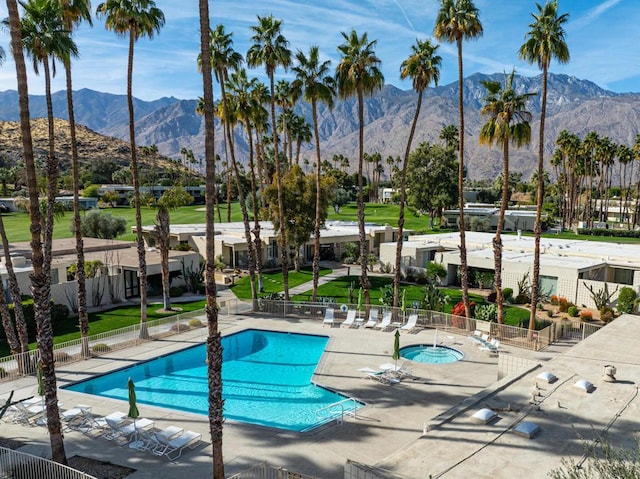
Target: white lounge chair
(146, 438)
(373, 319)
(73, 417)
(411, 323)
(172, 448)
(351, 318)
(491, 347)
(107, 426)
(25, 413)
(380, 376)
(403, 370)
(328, 317)
(130, 431)
(385, 323)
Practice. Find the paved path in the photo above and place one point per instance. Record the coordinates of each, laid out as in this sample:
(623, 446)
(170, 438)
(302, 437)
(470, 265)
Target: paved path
(338, 271)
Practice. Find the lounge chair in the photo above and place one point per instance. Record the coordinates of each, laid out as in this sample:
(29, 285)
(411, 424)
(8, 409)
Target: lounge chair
(130, 431)
(400, 371)
(25, 413)
(351, 318)
(328, 317)
(385, 323)
(74, 417)
(476, 337)
(373, 319)
(172, 448)
(411, 323)
(380, 376)
(491, 347)
(103, 426)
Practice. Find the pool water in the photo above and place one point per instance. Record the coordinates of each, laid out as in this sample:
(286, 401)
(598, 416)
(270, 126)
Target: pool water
(423, 353)
(266, 380)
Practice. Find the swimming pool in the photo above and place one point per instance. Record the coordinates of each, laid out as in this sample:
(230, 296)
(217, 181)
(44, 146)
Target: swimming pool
(266, 379)
(431, 354)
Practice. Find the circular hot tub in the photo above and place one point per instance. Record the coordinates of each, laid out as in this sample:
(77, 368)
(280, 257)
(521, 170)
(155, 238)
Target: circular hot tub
(431, 354)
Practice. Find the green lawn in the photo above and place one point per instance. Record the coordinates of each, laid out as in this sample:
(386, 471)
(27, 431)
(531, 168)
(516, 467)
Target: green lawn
(272, 282)
(104, 321)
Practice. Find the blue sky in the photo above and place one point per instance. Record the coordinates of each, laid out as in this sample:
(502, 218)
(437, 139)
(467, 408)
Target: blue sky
(602, 37)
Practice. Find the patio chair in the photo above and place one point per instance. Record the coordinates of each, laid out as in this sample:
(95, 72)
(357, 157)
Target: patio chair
(411, 323)
(385, 323)
(172, 448)
(351, 318)
(379, 376)
(73, 417)
(328, 317)
(130, 431)
(491, 347)
(400, 371)
(373, 319)
(476, 337)
(25, 413)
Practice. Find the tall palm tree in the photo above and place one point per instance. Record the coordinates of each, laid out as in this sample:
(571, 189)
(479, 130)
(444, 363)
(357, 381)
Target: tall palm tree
(73, 13)
(45, 40)
(456, 21)
(544, 42)
(39, 280)
(625, 160)
(508, 122)
(423, 67)
(359, 74)
(316, 83)
(243, 90)
(449, 134)
(135, 19)
(214, 343)
(270, 49)
(223, 58)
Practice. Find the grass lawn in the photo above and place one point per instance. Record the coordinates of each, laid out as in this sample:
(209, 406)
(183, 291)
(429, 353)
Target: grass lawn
(110, 320)
(273, 282)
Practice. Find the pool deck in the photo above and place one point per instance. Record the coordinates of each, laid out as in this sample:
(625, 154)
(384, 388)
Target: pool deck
(412, 429)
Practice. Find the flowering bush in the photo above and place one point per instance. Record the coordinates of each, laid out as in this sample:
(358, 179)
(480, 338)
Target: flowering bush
(554, 300)
(586, 315)
(458, 309)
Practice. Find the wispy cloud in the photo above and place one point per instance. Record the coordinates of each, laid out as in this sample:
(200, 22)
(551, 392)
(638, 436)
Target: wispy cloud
(592, 15)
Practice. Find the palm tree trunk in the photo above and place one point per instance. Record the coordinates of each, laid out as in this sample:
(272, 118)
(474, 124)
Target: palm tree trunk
(257, 247)
(83, 318)
(52, 175)
(214, 344)
(364, 244)
(162, 236)
(142, 260)
(537, 228)
(497, 241)
(283, 227)
(403, 199)
(316, 228)
(16, 296)
(464, 270)
(241, 197)
(40, 284)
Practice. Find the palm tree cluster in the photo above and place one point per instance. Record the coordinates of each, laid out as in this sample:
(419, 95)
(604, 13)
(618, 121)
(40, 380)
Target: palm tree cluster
(249, 107)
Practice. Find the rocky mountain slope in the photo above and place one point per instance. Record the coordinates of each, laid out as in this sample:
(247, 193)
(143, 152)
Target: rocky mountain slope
(573, 104)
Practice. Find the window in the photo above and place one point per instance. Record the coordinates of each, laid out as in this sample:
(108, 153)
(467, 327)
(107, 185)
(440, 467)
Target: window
(622, 276)
(54, 276)
(548, 285)
(272, 250)
(131, 284)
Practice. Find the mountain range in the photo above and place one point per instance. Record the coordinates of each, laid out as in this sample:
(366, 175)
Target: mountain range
(576, 105)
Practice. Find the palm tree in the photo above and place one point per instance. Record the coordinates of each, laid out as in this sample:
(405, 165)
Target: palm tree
(45, 39)
(458, 20)
(214, 343)
(313, 78)
(40, 284)
(223, 58)
(508, 122)
(423, 67)
(449, 134)
(270, 49)
(137, 19)
(73, 13)
(247, 105)
(544, 42)
(358, 73)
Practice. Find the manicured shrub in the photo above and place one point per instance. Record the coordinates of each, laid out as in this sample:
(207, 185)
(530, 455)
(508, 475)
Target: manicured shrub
(627, 300)
(522, 298)
(606, 314)
(176, 291)
(492, 296)
(507, 293)
(179, 327)
(572, 311)
(586, 315)
(195, 323)
(101, 348)
(487, 312)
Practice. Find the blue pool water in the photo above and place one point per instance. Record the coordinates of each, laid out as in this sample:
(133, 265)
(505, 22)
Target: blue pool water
(266, 380)
(423, 353)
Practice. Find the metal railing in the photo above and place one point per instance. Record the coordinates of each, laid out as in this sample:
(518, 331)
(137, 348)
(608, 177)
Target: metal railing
(12, 367)
(18, 465)
(265, 471)
(337, 410)
(508, 335)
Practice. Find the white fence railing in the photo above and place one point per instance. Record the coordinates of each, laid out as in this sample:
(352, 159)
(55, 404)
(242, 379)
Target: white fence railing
(265, 471)
(511, 335)
(12, 367)
(18, 465)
